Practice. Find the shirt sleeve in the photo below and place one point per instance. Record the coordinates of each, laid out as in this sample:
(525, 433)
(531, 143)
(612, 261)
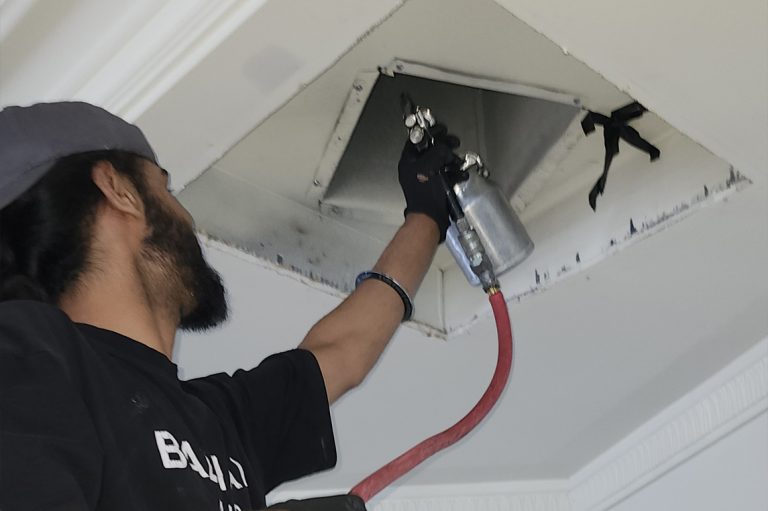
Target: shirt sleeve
(281, 409)
(49, 455)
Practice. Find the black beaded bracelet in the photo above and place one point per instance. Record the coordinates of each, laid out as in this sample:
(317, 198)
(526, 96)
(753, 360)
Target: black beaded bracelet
(407, 302)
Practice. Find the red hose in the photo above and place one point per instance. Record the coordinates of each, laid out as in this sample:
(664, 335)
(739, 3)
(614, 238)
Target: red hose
(399, 466)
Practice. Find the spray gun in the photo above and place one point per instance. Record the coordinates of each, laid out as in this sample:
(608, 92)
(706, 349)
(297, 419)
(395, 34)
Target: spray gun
(487, 239)
(485, 236)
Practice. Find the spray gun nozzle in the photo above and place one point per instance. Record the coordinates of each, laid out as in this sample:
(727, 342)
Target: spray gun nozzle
(407, 106)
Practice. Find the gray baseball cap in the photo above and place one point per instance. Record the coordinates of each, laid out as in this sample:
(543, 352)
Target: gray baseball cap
(33, 138)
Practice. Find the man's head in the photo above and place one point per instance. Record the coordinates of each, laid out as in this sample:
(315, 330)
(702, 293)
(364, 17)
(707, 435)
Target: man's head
(63, 229)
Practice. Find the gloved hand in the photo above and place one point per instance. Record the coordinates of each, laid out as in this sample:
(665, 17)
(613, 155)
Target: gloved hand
(334, 503)
(419, 179)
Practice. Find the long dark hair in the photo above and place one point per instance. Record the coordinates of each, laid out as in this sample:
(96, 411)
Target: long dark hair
(45, 233)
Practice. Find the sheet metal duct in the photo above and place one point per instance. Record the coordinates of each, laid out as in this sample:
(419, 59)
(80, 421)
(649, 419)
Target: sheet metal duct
(512, 131)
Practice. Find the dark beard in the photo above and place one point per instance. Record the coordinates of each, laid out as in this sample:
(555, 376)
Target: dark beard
(198, 289)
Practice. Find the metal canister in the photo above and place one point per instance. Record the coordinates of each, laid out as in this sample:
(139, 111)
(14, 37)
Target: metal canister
(504, 238)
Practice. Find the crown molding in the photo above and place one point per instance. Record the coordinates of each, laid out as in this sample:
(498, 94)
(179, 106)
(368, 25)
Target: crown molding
(167, 46)
(496, 499)
(548, 495)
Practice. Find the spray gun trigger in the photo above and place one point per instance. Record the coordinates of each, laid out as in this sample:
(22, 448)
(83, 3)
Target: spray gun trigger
(426, 114)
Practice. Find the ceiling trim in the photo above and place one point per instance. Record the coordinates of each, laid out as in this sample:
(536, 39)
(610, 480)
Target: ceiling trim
(480, 498)
(545, 495)
(170, 44)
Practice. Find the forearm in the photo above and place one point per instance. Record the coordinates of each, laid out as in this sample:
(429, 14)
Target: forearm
(350, 339)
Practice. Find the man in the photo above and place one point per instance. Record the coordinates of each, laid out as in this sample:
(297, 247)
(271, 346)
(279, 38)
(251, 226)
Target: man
(99, 267)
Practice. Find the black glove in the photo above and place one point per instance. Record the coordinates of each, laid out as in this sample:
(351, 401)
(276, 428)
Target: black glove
(419, 179)
(335, 503)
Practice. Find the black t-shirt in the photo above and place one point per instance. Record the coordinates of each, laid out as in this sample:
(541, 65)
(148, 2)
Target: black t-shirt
(93, 420)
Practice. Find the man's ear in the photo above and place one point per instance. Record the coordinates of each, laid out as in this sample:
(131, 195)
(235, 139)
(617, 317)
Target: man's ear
(117, 189)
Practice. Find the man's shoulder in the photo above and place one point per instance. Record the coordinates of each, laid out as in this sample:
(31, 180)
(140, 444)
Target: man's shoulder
(31, 314)
(23, 306)
(28, 325)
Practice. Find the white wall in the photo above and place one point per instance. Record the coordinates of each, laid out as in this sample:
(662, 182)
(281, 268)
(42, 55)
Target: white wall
(731, 474)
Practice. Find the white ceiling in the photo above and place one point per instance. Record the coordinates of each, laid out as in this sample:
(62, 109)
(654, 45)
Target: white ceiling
(598, 353)
(701, 65)
(270, 174)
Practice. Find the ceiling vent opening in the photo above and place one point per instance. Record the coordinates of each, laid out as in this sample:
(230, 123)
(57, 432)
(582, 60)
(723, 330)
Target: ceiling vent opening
(513, 127)
(311, 192)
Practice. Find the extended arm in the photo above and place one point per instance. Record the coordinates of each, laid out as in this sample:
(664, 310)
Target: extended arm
(348, 341)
